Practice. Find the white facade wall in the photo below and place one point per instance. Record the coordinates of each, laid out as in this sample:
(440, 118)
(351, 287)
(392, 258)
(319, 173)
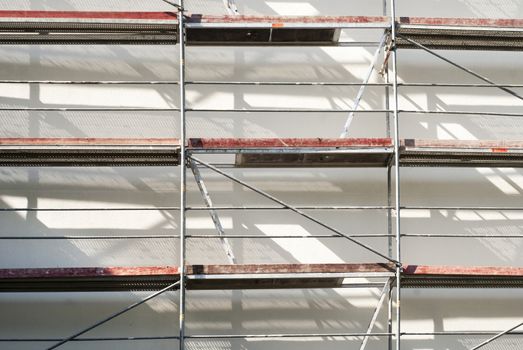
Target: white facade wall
(252, 312)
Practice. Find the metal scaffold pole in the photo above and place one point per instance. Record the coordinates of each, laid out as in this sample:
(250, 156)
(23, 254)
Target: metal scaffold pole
(397, 203)
(183, 180)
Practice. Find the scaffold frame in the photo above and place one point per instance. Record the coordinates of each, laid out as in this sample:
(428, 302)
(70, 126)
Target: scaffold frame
(184, 30)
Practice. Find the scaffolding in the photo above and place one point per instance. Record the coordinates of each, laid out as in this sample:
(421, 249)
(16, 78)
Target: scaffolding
(391, 273)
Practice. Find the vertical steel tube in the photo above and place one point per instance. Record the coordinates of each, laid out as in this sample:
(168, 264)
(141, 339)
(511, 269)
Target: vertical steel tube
(183, 195)
(389, 315)
(397, 203)
(390, 243)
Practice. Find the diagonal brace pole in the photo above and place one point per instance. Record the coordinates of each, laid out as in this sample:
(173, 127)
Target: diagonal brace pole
(465, 69)
(383, 294)
(496, 337)
(212, 212)
(231, 7)
(359, 96)
(109, 318)
(294, 209)
(172, 3)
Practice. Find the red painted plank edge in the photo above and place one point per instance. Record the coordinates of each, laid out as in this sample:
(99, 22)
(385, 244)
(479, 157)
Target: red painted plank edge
(421, 270)
(87, 141)
(466, 22)
(288, 268)
(89, 15)
(198, 18)
(493, 145)
(71, 272)
(408, 270)
(287, 142)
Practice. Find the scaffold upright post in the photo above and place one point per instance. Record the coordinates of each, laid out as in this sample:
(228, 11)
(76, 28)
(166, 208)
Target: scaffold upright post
(183, 195)
(397, 203)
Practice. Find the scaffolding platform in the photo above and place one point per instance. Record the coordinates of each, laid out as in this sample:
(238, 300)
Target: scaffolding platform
(50, 27)
(305, 152)
(461, 33)
(362, 152)
(460, 153)
(254, 276)
(80, 27)
(88, 152)
(72, 27)
(418, 276)
(260, 153)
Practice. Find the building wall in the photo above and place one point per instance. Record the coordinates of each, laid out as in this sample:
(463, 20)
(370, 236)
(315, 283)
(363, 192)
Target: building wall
(252, 312)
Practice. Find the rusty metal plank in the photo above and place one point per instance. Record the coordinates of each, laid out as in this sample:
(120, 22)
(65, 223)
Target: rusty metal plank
(228, 143)
(288, 268)
(463, 270)
(280, 21)
(460, 153)
(464, 144)
(251, 276)
(90, 15)
(301, 152)
(87, 279)
(86, 141)
(461, 33)
(461, 22)
(89, 151)
(415, 276)
(74, 272)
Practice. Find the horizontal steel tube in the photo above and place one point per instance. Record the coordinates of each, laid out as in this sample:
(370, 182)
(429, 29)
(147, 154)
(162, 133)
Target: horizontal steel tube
(459, 235)
(494, 114)
(289, 110)
(254, 208)
(209, 336)
(460, 85)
